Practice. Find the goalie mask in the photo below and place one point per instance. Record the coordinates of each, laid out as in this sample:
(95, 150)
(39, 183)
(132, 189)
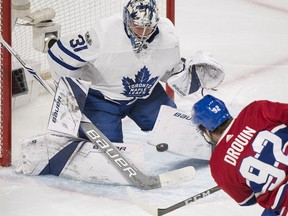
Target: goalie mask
(140, 18)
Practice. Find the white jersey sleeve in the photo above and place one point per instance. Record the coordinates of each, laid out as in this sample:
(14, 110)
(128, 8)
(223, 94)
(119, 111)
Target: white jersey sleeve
(71, 55)
(105, 57)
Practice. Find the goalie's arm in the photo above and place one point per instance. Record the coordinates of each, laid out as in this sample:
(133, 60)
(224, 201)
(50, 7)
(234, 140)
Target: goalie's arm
(69, 55)
(199, 71)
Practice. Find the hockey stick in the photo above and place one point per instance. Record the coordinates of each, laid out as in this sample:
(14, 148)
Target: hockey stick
(127, 169)
(162, 211)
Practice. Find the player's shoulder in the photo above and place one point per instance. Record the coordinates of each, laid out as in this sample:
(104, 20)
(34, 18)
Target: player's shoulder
(165, 23)
(167, 32)
(258, 104)
(109, 24)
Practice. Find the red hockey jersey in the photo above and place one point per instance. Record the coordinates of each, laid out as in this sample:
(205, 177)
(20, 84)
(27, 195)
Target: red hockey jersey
(250, 161)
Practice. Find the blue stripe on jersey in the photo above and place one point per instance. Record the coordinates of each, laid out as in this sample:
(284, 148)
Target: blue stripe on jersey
(69, 53)
(250, 201)
(63, 64)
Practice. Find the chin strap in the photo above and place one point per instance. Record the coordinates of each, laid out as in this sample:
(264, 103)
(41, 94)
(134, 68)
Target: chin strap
(207, 139)
(202, 90)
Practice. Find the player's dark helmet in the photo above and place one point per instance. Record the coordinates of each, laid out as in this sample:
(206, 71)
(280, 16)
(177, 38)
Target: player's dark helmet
(210, 112)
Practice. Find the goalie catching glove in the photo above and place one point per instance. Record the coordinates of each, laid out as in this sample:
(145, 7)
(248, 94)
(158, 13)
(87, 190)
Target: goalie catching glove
(199, 71)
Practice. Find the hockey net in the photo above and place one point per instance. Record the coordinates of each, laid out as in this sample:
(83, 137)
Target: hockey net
(73, 16)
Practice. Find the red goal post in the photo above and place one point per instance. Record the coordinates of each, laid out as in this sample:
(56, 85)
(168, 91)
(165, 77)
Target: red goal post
(170, 13)
(5, 86)
(68, 14)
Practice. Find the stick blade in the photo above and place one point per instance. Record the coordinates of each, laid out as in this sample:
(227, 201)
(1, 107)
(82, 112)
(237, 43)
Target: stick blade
(166, 179)
(177, 176)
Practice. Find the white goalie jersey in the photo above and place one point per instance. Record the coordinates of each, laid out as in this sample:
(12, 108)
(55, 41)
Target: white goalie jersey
(104, 56)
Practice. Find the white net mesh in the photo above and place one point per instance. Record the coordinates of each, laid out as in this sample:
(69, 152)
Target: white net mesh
(73, 16)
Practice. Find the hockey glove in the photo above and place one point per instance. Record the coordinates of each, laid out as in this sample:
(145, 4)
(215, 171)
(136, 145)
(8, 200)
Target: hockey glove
(199, 71)
(209, 71)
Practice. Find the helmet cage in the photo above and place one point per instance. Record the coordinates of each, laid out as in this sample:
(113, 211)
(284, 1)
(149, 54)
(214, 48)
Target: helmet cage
(143, 14)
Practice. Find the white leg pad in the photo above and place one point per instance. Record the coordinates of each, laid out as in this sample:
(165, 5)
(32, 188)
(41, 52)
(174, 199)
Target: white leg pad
(175, 128)
(84, 162)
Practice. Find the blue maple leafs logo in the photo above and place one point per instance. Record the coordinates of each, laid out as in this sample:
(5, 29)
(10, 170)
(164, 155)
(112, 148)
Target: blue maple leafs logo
(139, 87)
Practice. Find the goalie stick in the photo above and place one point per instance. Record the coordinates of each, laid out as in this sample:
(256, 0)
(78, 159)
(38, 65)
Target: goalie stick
(127, 169)
(162, 211)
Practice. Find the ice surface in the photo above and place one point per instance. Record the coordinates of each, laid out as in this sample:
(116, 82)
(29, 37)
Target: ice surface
(248, 37)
